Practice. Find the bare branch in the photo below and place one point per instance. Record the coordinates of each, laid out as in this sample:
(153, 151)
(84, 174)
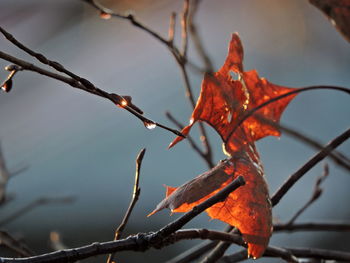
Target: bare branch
(134, 199)
(307, 166)
(141, 242)
(115, 98)
(312, 226)
(219, 250)
(315, 195)
(196, 39)
(320, 253)
(184, 28)
(10, 242)
(4, 177)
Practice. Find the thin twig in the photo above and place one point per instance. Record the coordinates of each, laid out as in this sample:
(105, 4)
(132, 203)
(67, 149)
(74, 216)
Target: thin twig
(194, 252)
(115, 98)
(235, 257)
(34, 204)
(184, 28)
(307, 166)
(196, 38)
(4, 177)
(204, 138)
(315, 195)
(219, 250)
(142, 242)
(171, 31)
(135, 197)
(197, 251)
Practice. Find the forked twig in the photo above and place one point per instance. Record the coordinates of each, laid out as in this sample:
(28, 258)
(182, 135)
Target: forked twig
(135, 196)
(315, 195)
(307, 166)
(219, 250)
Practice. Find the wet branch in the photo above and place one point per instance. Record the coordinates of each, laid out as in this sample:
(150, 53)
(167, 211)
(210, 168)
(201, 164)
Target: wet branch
(75, 80)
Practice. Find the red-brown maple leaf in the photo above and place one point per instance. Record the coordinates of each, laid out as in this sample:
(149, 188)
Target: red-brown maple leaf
(222, 103)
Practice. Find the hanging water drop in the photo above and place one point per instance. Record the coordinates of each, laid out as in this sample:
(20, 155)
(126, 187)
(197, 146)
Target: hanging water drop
(105, 15)
(149, 125)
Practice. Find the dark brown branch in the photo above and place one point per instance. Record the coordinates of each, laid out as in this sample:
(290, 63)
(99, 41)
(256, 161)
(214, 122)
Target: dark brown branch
(307, 166)
(135, 197)
(40, 57)
(39, 202)
(312, 226)
(115, 98)
(141, 242)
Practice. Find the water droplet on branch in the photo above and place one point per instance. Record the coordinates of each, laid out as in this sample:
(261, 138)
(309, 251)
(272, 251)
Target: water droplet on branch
(149, 125)
(105, 15)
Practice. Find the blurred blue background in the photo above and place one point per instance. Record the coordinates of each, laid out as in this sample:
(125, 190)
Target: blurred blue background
(81, 145)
